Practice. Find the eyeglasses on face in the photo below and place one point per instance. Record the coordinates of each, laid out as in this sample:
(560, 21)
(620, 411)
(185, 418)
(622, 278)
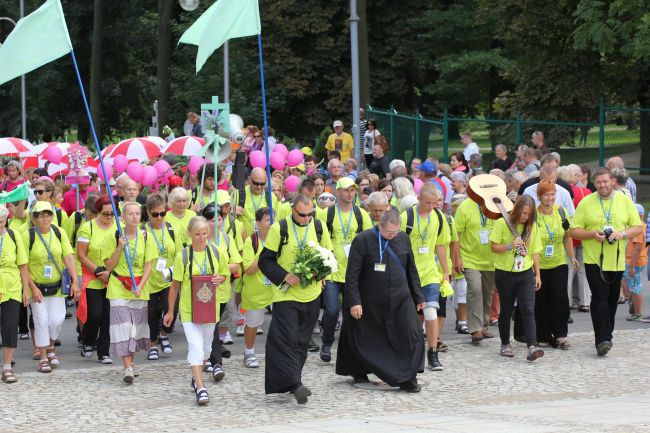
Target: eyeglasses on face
(107, 213)
(41, 191)
(158, 214)
(42, 214)
(258, 183)
(327, 199)
(304, 215)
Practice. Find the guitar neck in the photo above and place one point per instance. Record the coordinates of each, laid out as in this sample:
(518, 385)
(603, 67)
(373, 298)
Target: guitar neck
(506, 217)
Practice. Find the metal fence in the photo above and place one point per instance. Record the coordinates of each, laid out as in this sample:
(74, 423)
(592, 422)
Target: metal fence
(618, 131)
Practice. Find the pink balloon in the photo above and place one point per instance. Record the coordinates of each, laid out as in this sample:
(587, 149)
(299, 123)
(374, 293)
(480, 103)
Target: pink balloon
(279, 147)
(149, 176)
(417, 184)
(195, 163)
(53, 154)
(277, 160)
(135, 171)
(162, 167)
(258, 159)
(120, 163)
(109, 171)
(295, 158)
(291, 183)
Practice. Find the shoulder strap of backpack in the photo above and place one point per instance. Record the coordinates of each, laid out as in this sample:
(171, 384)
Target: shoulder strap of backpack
(195, 194)
(255, 240)
(232, 228)
(331, 211)
(170, 230)
(318, 226)
(284, 235)
(410, 217)
(58, 216)
(78, 219)
(12, 235)
(32, 236)
(359, 217)
(439, 214)
(185, 257)
(560, 209)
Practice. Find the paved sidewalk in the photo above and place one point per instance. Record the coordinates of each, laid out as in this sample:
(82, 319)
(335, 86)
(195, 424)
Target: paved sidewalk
(565, 391)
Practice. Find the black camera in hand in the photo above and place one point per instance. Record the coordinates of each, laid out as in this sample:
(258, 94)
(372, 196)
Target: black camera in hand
(608, 233)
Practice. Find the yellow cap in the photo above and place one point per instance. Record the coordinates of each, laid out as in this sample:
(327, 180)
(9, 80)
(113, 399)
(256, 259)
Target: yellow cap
(300, 167)
(306, 151)
(223, 197)
(41, 206)
(345, 183)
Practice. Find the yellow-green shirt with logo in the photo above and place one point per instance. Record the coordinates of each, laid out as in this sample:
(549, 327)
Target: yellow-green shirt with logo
(470, 221)
(551, 226)
(501, 235)
(14, 254)
(101, 244)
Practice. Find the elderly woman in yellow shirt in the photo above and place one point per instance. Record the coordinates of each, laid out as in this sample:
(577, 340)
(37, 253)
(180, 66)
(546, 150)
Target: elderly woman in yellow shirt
(48, 250)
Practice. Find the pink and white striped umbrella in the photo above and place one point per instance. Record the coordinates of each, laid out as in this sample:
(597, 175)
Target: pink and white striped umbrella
(158, 140)
(63, 168)
(139, 149)
(184, 146)
(64, 147)
(11, 146)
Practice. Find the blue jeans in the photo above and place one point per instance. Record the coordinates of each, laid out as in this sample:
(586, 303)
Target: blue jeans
(431, 293)
(331, 310)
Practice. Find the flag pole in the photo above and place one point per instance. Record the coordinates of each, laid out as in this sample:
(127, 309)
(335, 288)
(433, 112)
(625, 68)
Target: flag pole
(101, 163)
(269, 198)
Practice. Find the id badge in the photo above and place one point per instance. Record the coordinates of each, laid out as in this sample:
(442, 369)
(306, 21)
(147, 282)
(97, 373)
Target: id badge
(161, 264)
(47, 272)
(484, 237)
(549, 251)
(380, 267)
(346, 250)
(423, 250)
(519, 264)
(267, 282)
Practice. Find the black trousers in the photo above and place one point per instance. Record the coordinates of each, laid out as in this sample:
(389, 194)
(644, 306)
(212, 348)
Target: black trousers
(158, 306)
(286, 344)
(604, 300)
(99, 312)
(9, 313)
(217, 345)
(369, 159)
(519, 287)
(552, 304)
(22, 321)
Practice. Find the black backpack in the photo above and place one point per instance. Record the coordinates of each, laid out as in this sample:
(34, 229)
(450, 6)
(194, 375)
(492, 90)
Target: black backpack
(410, 218)
(12, 235)
(284, 232)
(331, 211)
(78, 220)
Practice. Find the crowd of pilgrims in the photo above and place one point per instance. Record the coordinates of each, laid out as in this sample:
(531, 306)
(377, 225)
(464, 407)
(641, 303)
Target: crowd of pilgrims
(395, 250)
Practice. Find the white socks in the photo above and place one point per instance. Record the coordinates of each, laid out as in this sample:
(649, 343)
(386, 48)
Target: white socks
(249, 351)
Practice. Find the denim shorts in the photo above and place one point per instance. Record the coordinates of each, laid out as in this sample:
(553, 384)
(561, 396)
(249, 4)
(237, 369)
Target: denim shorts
(431, 294)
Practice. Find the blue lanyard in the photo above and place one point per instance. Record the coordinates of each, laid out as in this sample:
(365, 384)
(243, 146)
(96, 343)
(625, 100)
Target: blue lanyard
(130, 253)
(422, 236)
(548, 229)
(304, 238)
(345, 229)
(161, 245)
(480, 212)
(381, 250)
(259, 202)
(204, 269)
(2, 239)
(47, 245)
(608, 214)
(259, 238)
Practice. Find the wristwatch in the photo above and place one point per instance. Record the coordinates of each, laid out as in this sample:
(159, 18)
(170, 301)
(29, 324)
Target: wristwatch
(624, 234)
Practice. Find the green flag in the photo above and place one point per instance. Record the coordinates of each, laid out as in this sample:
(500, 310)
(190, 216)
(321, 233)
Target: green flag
(225, 19)
(39, 38)
(21, 192)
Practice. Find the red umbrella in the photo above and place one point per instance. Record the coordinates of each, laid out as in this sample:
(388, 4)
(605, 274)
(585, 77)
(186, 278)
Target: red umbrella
(11, 146)
(184, 146)
(140, 149)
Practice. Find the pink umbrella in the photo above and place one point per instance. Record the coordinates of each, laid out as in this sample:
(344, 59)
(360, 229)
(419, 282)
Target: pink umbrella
(10, 146)
(184, 146)
(136, 149)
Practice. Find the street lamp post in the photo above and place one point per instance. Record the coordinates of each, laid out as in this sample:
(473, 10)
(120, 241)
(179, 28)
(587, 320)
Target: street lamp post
(23, 100)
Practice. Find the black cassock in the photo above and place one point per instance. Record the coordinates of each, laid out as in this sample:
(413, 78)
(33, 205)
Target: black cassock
(387, 341)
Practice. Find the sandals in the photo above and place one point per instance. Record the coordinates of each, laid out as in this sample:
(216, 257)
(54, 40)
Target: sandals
(463, 329)
(202, 397)
(442, 347)
(534, 353)
(8, 376)
(250, 361)
(53, 360)
(153, 354)
(165, 345)
(44, 366)
(506, 350)
(36, 354)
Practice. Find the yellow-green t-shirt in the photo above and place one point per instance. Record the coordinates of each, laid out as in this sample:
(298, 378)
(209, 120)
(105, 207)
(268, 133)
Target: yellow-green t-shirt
(182, 275)
(470, 223)
(288, 255)
(228, 249)
(424, 238)
(251, 205)
(38, 257)
(256, 290)
(70, 230)
(101, 244)
(180, 225)
(166, 248)
(237, 229)
(501, 235)
(552, 238)
(344, 223)
(453, 237)
(145, 252)
(12, 255)
(591, 215)
(17, 224)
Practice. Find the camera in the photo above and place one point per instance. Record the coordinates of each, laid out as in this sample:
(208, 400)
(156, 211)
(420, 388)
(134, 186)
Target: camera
(607, 231)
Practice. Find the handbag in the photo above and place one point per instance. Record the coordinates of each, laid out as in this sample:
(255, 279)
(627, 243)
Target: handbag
(49, 289)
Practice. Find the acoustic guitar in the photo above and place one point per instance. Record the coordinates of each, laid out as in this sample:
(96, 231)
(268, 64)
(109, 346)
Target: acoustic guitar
(489, 191)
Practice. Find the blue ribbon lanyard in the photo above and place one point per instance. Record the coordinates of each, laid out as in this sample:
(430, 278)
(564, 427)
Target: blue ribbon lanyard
(161, 245)
(480, 212)
(130, 253)
(422, 236)
(548, 229)
(259, 238)
(204, 269)
(50, 258)
(608, 214)
(381, 250)
(259, 202)
(345, 229)
(304, 238)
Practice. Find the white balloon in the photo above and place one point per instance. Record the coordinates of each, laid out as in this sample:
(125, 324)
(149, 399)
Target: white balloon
(189, 5)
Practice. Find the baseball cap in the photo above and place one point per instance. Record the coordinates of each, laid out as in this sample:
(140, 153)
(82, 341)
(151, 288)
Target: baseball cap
(428, 167)
(223, 197)
(306, 151)
(337, 123)
(42, 206)
(345, 183)
(300, 167)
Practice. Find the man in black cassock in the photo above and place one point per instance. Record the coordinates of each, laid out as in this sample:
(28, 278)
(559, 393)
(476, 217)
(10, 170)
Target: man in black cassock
(380, 332)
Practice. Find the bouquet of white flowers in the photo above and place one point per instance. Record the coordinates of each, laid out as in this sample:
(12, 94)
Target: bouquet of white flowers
(313, 263)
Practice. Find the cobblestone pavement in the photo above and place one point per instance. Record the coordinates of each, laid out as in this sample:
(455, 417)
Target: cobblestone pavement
(478, 391)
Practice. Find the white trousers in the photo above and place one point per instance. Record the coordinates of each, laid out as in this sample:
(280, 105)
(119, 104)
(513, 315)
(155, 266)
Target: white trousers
(48, 316)
(199, 341)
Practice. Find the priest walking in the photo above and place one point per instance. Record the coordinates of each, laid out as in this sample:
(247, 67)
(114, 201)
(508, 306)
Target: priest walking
(380, 333)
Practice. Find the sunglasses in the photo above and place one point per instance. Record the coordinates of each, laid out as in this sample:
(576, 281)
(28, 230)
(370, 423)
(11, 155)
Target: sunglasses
(257, 136)
(44, 213)
(304, 215)
(107, 214)
(258, 183)
(327, 199)
(158, 214)
(40, 191)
